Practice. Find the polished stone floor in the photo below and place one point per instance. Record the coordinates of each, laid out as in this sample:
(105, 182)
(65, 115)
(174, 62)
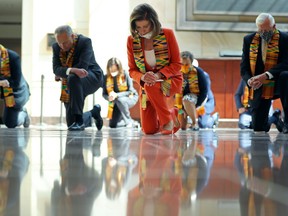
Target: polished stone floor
(222, 172)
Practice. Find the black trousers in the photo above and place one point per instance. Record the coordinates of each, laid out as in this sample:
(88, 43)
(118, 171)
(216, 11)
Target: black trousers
(14, 117)
(260, 116)
(79, 89)
(283, 85)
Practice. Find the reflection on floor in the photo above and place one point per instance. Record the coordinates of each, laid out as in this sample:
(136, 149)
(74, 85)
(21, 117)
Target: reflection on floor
(50, 171)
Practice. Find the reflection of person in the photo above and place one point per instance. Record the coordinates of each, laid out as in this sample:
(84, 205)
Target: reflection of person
(245, 111)
(14, 165)
(154, 63)
(80, 184)
(119, 91)
(254, 163)
(282, 177)
(263, 68)
(117, 166)
(195, 94)
(159, 189)
(75, 65)
(14, 89)
(197, 161)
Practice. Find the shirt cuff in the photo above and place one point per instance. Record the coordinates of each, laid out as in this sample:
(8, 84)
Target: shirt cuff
(68, 71)
(270, 76)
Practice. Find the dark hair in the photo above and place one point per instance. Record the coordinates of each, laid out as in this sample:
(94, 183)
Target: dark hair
(144, 12)
(187, 54)
(64, 29)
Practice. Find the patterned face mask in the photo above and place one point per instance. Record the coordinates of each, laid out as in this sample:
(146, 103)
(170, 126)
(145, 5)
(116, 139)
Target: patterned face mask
(266, 35)
(185, 69)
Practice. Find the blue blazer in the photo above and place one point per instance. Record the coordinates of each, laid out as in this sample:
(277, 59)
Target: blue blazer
(17, 81)
(83, 58)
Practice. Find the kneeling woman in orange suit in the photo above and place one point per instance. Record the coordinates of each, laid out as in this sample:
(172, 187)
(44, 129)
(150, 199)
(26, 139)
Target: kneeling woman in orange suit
(154, 63)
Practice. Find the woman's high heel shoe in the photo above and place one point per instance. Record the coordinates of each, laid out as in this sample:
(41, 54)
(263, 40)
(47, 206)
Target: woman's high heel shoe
(176, 123)
(167, 132)
(175, 120)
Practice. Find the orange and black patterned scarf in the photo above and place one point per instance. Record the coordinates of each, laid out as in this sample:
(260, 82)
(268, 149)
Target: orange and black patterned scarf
(245, 98)
(271, 61)
(67, 61)
(6, 73)
(264, 174)
(162, 60)
(189, 74)
(122, 86)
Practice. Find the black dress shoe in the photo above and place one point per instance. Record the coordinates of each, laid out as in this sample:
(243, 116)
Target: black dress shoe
(96, 114)
(279, 123)
(285, 128)
(76, 127)
(99, 123)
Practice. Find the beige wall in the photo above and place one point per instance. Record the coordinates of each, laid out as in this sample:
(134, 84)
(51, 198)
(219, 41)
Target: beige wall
(107, 23)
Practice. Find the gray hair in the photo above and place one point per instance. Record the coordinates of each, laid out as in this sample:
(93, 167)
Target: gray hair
(64, 29)
(187, 55)
(264, 16)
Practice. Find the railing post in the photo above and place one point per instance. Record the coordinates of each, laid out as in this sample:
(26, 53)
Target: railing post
(41, 106)
(61, 113)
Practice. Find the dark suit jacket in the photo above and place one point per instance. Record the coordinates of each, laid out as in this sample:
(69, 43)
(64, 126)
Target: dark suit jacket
(239, 93)
(17, 81)
(275, 71)
(202, 84)
(83, 58)
(210, 104)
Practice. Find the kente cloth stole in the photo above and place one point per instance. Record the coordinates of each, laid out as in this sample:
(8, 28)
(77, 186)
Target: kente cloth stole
(7, 163)
(271, 61)
(245, 97)
(6, 73)
(248, 173)
(67, 61)
(192, 78)
(266, 175)
(122, 86)
(118, 173)
(162, 60)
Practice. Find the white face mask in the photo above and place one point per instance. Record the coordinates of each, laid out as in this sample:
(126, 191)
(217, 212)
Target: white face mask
(113, 74)
(148, 35)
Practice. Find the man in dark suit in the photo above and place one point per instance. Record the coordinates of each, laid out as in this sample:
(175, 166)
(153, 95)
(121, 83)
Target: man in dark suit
(264, 63)
(245, 111)
(13, 89)
(75, 65)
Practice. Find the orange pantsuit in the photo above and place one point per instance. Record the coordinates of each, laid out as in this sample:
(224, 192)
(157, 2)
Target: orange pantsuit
(157, 111)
